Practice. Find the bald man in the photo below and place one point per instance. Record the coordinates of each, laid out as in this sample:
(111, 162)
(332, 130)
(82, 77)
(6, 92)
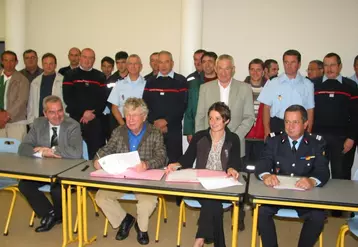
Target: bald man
(85, 97)
(74, 57)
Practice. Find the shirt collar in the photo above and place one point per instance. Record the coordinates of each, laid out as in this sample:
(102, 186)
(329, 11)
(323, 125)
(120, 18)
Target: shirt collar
(338, 78)
(298, 141)
(227, 86)
(140, 133)
(84, 69)
(170, 74)
(284, 78)
(6, 78)
(140, 79)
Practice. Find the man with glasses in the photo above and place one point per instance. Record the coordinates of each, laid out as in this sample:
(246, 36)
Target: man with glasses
(315, 69)
(336, 115)
(287, 89)
(31, 70)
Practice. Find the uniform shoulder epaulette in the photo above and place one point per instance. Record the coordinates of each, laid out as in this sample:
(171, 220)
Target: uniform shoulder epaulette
(273, 134)
(315, 136)
(190, 78)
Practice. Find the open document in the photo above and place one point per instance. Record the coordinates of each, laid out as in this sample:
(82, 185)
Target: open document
(212, 183)
(287, 183)
(118, 163)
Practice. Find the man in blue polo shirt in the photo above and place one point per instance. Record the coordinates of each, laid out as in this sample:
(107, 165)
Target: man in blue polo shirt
(131, 86)
(288, 89)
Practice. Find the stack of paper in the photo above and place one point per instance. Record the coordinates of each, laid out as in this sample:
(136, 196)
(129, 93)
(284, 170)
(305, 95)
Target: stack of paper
(131, 173)
(287, 183)
(118, 163)
(185, 176)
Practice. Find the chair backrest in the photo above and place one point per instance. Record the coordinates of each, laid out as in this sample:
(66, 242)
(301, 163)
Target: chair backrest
(9, 145)
(85, 151)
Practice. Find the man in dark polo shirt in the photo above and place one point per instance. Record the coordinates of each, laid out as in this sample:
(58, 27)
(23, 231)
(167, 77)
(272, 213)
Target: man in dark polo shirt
(85, 96)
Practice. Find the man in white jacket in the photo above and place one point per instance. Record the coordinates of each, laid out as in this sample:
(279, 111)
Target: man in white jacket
(48, 83)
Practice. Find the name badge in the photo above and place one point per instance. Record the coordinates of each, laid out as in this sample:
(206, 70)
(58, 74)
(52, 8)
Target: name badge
(331, 95)
(161, 93)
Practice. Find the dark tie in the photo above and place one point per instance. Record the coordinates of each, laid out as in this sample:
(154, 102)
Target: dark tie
(54, 138)
(294, 147)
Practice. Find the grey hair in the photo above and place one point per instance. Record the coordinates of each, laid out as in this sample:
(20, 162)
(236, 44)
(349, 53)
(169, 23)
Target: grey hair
(50, 99)
(166, 53)
(225, 57)
(133, 103)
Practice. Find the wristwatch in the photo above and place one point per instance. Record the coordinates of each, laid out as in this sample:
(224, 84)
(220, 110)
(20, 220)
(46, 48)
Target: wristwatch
(53, 149)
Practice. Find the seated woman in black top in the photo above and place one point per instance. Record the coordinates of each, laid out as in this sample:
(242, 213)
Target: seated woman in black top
(216, 148)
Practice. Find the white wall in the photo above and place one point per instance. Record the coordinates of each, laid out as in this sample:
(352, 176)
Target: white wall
(254, 28)
(107, 26)
(2, 20)
(243, 28)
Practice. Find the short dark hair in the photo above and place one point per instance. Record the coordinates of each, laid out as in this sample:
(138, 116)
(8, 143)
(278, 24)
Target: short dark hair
(355, 60)
(292, 53)
(108, 60)
(154, 53)
(332, 54)
(29, 51)
(209, 54)
(222, 109)
(199, 51)
(318, 62)
(257, 61)
(268, 63)
(301, 109)
(46, 55)
(8, 52)
(121, 55)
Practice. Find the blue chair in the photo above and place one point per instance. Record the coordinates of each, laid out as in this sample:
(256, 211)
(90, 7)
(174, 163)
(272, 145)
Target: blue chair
(47, 188)
(351, 225)
(9, 145)
(192, 204)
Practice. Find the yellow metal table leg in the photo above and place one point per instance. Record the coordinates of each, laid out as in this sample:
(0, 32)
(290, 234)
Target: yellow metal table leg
(235, 216)
(254, 226)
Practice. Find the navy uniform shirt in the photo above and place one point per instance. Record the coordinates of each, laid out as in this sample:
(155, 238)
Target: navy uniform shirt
(309, 160)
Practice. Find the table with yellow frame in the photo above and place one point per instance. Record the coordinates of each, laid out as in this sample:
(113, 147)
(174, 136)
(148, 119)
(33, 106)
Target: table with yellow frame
(80, 178)
(335, 195)
(35, 169)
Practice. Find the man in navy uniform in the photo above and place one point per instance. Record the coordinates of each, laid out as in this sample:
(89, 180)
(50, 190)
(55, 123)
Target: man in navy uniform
(293, 153)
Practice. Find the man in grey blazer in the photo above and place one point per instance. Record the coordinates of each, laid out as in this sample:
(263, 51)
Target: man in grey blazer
(51, 136)
(237, 95)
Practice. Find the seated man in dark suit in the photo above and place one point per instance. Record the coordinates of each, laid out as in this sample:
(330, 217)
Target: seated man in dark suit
(293, 153)
(51, 136)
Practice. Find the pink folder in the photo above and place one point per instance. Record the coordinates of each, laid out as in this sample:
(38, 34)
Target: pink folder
(131, 173)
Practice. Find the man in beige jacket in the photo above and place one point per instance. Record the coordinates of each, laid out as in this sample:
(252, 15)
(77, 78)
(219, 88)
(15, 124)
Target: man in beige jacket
(14, 94)
(48, 83)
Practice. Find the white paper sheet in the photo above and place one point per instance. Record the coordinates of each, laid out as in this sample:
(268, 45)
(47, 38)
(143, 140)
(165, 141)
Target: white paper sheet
(118, 163)
(186, 175)
(37, 155)
(212, 183)
(287, 183)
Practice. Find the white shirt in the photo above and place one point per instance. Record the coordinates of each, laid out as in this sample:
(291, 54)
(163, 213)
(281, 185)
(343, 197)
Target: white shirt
(224, 93)
(51, 131)
(7, 83)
